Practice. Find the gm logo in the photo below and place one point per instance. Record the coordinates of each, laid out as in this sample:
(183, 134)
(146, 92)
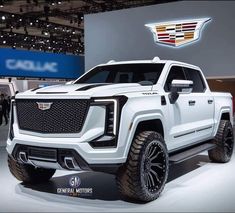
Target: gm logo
(177, 33)
(75, 182)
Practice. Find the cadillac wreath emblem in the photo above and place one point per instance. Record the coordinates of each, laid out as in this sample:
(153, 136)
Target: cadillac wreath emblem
(177, 33)
(44, 106)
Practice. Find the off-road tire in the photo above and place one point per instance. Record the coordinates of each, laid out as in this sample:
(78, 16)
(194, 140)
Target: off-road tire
(224, 140)
(27, 173)
(133, 178)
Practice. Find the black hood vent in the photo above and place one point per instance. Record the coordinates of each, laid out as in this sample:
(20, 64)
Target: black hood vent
(91, 87)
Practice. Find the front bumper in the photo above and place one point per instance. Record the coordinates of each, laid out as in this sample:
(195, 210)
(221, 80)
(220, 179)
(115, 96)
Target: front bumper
(78, 144)
(89, 154)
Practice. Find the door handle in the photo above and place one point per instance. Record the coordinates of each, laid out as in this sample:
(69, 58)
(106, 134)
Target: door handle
(210, 101)
(192, 103)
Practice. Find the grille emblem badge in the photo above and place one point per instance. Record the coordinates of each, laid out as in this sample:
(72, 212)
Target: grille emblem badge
(44, 106)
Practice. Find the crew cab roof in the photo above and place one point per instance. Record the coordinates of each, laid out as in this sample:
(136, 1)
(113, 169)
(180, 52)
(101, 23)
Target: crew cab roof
(154, 61)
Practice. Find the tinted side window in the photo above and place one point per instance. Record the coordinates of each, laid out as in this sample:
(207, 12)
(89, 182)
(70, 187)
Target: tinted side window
(196, 77)
(176, 73)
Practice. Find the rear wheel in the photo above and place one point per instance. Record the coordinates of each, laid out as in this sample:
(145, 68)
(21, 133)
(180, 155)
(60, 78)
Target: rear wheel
(28, 173)
(144, 175)
(224, 140)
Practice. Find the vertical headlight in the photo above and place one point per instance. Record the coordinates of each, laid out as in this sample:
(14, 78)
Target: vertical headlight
(113, 112)
(110, 124)
(111, 115)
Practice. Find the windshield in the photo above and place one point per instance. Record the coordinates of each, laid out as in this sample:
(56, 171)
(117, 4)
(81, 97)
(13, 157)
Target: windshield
(123, 73)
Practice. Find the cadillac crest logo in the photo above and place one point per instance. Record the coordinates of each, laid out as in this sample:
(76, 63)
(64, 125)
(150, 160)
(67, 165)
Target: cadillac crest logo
(177, 33)
(44, 106)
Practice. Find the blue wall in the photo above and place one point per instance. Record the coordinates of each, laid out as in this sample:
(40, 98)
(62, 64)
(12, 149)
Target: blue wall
(21, 63)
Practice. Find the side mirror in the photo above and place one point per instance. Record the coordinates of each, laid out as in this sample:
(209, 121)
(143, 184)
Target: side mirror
(180, 87)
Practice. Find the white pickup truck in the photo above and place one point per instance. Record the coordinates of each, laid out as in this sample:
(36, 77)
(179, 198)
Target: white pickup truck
(131, 119)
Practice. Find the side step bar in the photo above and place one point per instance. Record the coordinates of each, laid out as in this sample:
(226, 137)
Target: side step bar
(188, 153)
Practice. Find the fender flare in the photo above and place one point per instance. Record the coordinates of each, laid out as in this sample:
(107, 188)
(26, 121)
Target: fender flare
(135, 123)
(217, 121)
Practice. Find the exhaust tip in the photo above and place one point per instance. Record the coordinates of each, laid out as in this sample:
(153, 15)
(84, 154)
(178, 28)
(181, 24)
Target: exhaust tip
(23, 157)
(71, 163)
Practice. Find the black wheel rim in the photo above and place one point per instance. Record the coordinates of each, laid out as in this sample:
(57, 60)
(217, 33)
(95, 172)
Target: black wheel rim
(154, 167)
(228, 142)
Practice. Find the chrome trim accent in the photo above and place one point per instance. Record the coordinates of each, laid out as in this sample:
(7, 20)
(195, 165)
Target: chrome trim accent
(199, 130)
(43, 159)
(71, 159)
(23, 157)
(187, 133)
(46, 165)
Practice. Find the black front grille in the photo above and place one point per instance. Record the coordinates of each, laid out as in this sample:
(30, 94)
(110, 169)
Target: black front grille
(63, 116)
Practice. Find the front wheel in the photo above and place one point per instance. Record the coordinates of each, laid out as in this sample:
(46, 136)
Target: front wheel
(144, 175)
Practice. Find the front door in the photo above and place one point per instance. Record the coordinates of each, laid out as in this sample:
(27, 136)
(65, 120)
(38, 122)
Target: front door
(191, 117)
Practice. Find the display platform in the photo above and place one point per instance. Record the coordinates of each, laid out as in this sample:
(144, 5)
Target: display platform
(195, 185)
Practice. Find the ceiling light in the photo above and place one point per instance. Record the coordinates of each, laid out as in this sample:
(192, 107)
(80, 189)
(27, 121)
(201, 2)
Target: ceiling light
(3, 17)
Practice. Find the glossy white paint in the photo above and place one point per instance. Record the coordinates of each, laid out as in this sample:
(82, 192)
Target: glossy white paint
(183, 124)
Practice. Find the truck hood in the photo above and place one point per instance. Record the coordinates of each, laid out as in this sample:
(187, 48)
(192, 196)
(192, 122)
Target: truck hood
(83, 90)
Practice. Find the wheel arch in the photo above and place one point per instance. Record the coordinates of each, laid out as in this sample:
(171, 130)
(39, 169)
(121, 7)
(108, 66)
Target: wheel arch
(145, 123)
(150, 125)
(224, 114)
